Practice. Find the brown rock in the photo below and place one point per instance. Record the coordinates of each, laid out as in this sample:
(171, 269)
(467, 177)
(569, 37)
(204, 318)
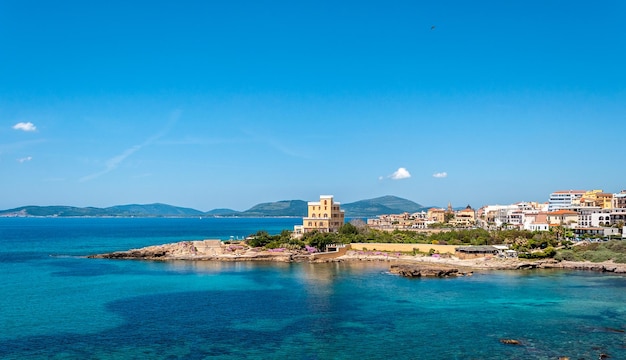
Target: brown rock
(420, 270)
(510, 341)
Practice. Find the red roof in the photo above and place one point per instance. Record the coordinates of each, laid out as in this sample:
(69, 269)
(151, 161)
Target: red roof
(563, 212)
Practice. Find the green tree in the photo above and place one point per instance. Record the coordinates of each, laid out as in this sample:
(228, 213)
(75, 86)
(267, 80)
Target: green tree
(320, 240)
(260, 239)
(348, 229)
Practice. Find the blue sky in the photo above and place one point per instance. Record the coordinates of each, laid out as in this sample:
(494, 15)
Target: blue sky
(226, 104)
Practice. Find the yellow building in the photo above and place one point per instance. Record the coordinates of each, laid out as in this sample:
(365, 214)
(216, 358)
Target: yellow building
(437, 215)
(465, 217)
(323, 216)
(565, 218)
(597, 198)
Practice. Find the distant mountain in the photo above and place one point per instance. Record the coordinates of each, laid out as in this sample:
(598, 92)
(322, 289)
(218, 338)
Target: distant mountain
(379, 206)
(62, 211)
(149, 210)
(297, 208)
(223, 212)
(152, 210)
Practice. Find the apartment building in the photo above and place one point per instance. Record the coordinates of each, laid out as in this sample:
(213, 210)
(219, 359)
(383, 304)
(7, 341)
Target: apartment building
(596, 198)
(465, 217)
(565, 218)
(608, 217)
(619, 200)
(536, 221)
(564, 199)
(404, 221)
(437, 215)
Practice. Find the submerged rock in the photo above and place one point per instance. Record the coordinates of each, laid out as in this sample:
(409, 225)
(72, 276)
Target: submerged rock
(510, 341)
(422, 270)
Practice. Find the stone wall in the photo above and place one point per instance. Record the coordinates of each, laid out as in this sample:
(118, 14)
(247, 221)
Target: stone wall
(331, 255)
(442, 249)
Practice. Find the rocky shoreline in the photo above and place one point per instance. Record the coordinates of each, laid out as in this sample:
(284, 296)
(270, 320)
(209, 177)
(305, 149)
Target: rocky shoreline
(402, 264)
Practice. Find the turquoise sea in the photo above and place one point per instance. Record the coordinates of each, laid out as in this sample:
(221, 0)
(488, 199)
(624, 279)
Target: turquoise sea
(57, 304)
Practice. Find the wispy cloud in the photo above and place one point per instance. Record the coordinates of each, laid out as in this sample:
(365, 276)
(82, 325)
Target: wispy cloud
(440, 175)
(25, 126)
(400, 174)
(112, 163)
(271, 141)
(25, 159)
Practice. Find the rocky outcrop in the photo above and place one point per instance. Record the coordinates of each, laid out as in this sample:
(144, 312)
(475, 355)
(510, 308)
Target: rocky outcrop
(578, 265)
(199, 250)
(405, 265)
(421, 270)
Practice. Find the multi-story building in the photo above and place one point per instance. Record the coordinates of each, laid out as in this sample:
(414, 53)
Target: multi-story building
(564, 199)
(609, 217)
(585, 216)
(465, 217)
(619, 200)
(437, 215)
(323, 216)
(597, 198)
(404, 221)
(536, 221)
(565, 218)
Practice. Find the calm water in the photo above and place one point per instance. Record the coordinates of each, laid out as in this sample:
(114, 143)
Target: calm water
(56, 304)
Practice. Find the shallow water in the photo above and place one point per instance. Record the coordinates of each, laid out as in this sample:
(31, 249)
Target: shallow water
(60, 305)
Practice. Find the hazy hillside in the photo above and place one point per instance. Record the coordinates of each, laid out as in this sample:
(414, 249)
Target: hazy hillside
(149, 210)
(279, 208)
(297, 208)
(222, 212)
(382, 205)
(152, 210)
(65, 211)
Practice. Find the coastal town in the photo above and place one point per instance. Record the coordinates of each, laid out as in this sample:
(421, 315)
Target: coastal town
(585, 214)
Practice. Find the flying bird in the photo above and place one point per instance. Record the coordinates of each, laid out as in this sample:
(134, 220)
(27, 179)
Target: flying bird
(432, 27)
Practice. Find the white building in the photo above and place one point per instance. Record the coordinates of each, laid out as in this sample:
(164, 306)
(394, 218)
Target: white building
(564, 199)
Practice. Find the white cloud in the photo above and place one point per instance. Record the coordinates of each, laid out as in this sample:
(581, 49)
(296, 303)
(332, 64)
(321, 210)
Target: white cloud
(22, 160)
(25, 126)
(440, 175)
(400, 174)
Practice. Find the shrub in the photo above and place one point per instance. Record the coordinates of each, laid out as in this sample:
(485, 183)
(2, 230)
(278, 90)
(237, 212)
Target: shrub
(567, 255)
(597, 256)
